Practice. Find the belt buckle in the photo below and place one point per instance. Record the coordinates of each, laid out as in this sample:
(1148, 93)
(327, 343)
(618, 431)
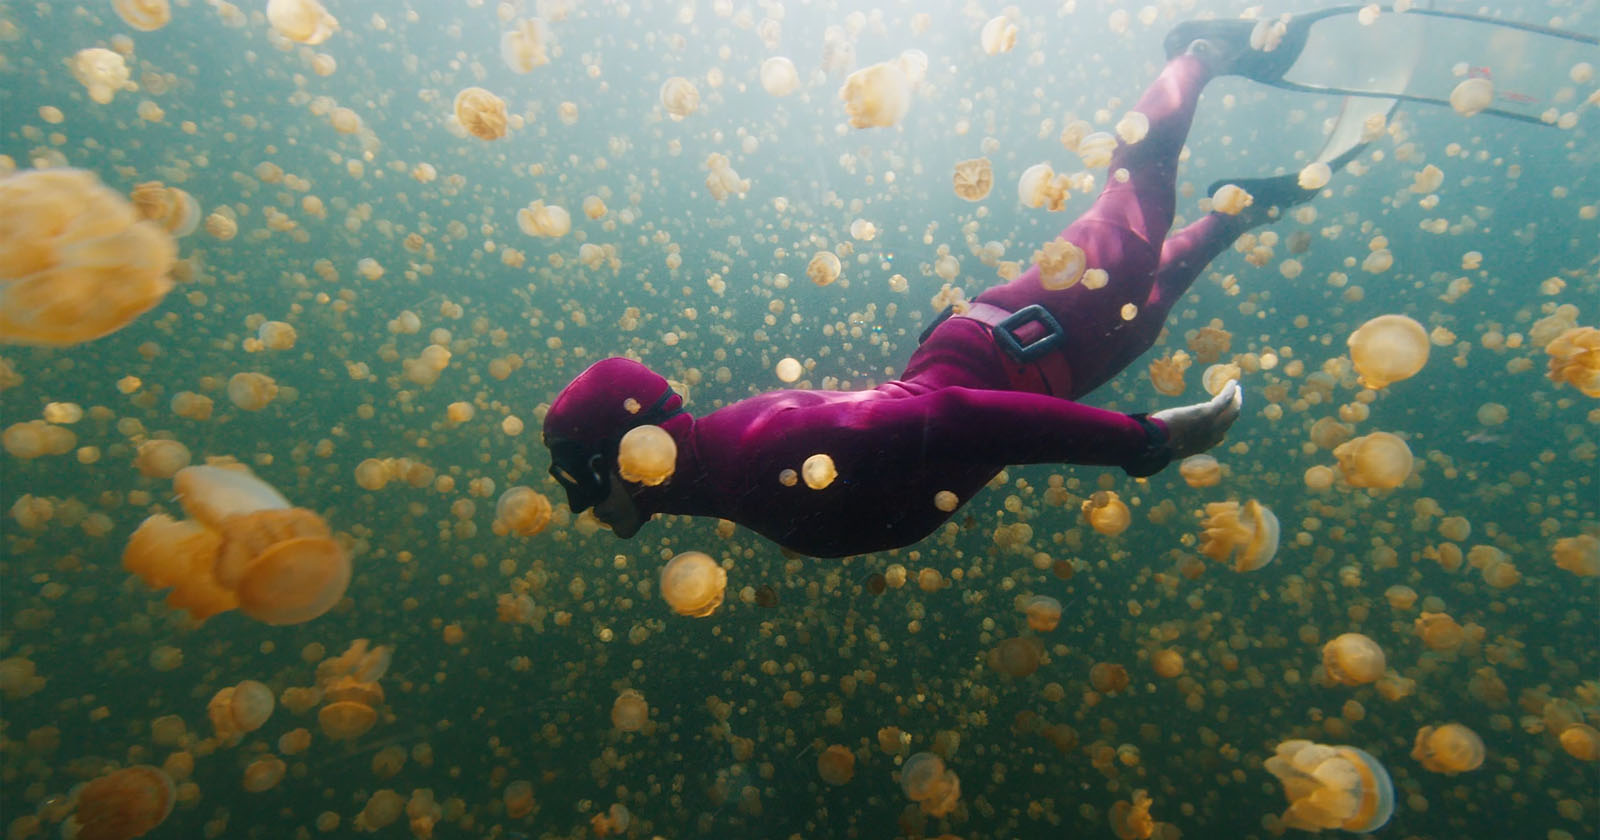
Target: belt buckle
(1005, 334)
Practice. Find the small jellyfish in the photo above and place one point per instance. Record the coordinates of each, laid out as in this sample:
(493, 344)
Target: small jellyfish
(264, 773)
(522, 511)
(836, 765)
(1132, 127)
(973, 178)
(251, 391)
(1574, 359)
(693, 583)
(1248, 535)
(302, 21)
(545, 220)
(927, 782)
(1061, 264)
(1579, 555)
(1200, 471)
(518, 798)
(523, 48)
(647, 455)
(102, 72)
(1017, 656)
(346, 719)
(1107, 513)
(123, 804)
(779, 77)
(630, 712)
(679, 97)
(1231, 200)
(1450, 748)
(1043, 612)
(159, 458)
(481, 113)
(876, 96)
(1353, 659)
(1341, 787)
(1039, 186)
(789, 370)
(1379, 460)
(1388, 349)
(1166, 375)
(1314, 176)
(1472, 96)
(998, 36)
(818, 471)
(76, 260)
(1581, 741)
(143, 15)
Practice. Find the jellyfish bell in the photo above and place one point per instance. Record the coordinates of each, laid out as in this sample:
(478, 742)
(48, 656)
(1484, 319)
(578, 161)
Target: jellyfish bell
(973, 179)
(522, 511)
(1388, 349)
(1450, 748)
(123, 804)
(779, 77)
(693, 583)
(630, 712)
(1248, 534)
(1379, 460)
(1043, 612)
(294, 581)
(647, 455)
(1332, 787)
(876, 96)
(1200, 471)
(1353, 659)
(302, 21)
(346, 719)
(836, 765)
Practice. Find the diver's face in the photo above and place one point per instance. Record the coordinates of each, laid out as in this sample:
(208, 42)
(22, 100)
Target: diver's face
(618, 510)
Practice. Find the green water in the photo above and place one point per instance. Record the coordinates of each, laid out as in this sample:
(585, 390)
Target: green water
(742, 702)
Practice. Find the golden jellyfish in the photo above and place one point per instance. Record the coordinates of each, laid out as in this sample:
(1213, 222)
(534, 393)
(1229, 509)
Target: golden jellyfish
(547, 220)
(1353, 659)
(1108, 677)
(76, 261)
(123, 804)
(223, 226)
(143, 15)
(998, 36)
(647, 455)
(481, 113)
(1132, 820)
(1581, 741)
(779, 77)
(1314, 176)
(1450, 748)
(1061, 264)
(1040, 186)
(158, 458)
(302, 21)
(630, 712)
(1579, 555)
(1379, 460)
(818, 471)
(251, 391)
(1400, 597)
(789, 370)
(836, 765)
(276, 335)
(244, 547)
(876, 96)
(1043, 612)
(1200, 471)
(518, 799)
(1574, 359)
(594, 206)
(522, 511)
(1167, 663)
(1017, 656)
(1471, 96)
(102, 73)
(346, 719)
(679, 97)
(239, 709)
(1166, 373)
(1439, 631)
(1248, 534)
(927, 782)
(824, 268)
(382, 809)
(1388, 349)
(1107, 513)
(1231, 200)
(692, 584)
(264, 773)
(523, 48)
(1341, 787)
(973, 178)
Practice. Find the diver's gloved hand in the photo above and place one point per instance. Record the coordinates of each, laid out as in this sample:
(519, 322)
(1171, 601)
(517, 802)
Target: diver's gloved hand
(1192, 429)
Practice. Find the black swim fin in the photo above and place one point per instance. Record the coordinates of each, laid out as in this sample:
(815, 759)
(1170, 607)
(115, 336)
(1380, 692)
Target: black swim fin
(1281, 191)
(1225, 45)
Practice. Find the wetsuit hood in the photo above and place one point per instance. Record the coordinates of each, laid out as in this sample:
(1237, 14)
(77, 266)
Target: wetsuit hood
(590, 416)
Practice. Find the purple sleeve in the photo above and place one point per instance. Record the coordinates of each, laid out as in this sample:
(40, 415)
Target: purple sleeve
(1003, 427)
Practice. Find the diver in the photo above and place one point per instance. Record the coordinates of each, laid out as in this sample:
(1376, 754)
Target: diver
(988, 387)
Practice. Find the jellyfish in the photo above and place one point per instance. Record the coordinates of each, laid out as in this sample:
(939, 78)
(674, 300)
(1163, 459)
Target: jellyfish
(779, 77)
(102, 72)
(925, 781)
(692, 584)
(251, 391)
(1379, 460)
(302, 21)
(1471, 96)
(1248, 535)
(523, 48)
(1449, 748)
(518, 799)
(1574, 358)
(1200, 471)
(1388, 349)
(1017, 656)
(1107, 513)
(1231, 200)
(159, 458)
(679, 97)
(818, 471)
(824, 268)
(264, 773)
(836, 765)
(973, 178)
(1061, 264)
(1353, 659)
(1043, 612)
(998, 36)
(1579, 555)
(1166, 375)
(789, 370)
(143, 15)
(346, 719)
(522, 511)
(1040, 186)
(125, 803)
(1108, 677)
(1314, 176)
(630, 712)
(76, 261)
(647, 455)
(1581, 741)
(540, 219)
(481, 113)
(1341, 787)
(243, 547)
(876, 96)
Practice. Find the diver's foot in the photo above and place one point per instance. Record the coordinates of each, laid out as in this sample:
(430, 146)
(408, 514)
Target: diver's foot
(1224, 46)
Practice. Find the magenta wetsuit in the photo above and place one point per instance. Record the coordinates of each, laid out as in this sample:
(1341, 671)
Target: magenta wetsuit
(963, 409)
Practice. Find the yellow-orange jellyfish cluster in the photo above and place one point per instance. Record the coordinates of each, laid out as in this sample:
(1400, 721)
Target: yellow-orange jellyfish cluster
(1244, 537)
(1329, 787)
(481, 113)
(348, 687)
(102, 72)
(240, 709)
(928, 783)
(1387, 349)
(1575, 359)
(76, 260)
(243, 547)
